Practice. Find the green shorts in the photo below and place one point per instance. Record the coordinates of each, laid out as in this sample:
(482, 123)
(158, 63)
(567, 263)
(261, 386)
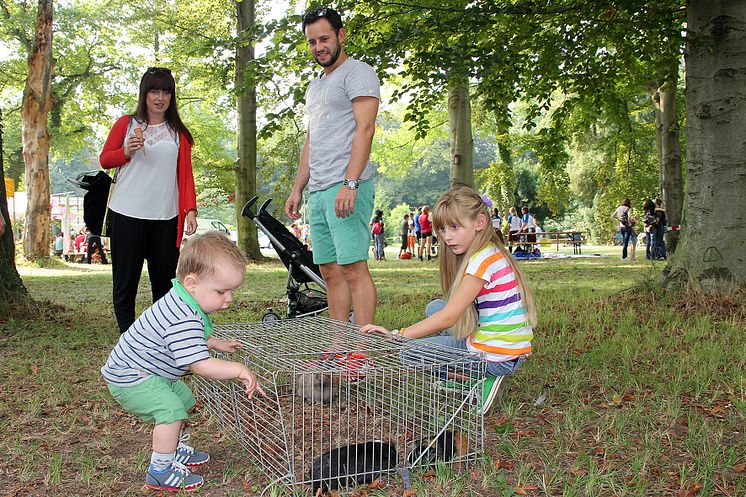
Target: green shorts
(341, 240)
(156, 399)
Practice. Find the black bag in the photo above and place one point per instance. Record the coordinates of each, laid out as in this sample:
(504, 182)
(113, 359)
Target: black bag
(95, 201)
(624, 219)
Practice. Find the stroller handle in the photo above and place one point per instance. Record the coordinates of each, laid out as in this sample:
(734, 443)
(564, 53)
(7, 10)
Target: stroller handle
(246, 211)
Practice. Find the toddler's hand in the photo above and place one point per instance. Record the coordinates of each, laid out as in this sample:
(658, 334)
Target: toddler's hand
(227, 346)
(372, 328)
(251, 384)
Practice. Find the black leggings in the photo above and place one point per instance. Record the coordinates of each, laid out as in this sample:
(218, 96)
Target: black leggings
(132, 242)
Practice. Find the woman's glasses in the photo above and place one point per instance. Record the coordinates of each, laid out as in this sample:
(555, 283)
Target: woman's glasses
(156, 70)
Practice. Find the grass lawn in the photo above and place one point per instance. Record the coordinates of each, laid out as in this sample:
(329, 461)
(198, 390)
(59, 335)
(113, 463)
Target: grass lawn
(643, 393)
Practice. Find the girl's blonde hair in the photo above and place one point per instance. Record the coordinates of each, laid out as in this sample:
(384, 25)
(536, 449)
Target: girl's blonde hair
(452, 208)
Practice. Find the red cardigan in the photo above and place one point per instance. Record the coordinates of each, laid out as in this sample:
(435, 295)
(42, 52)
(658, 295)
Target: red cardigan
(113, 156)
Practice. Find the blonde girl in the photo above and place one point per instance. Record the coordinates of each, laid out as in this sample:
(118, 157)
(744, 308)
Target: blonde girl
(489, 308)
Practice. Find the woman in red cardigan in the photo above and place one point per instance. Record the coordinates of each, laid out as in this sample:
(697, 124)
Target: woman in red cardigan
(153, 202)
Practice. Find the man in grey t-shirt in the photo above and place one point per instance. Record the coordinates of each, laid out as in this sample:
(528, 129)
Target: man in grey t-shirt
(341, 106)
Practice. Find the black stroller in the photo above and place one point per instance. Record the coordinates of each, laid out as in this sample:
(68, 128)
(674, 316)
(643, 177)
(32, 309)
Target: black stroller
(302, 298)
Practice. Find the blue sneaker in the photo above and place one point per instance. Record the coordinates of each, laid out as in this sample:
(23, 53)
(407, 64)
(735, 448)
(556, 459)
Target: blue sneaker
(174, 479)
(189, 457)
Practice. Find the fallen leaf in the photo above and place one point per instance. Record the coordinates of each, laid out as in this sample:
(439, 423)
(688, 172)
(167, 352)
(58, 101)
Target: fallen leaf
(35, 369)
(739, 468)
(429, 474)
(502, 464)
(690, 491)
(377, 483)
(531, 487)
(519, 491)
(409, 493)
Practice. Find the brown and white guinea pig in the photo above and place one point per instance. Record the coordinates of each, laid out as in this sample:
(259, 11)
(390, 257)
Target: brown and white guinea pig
(351, 465)
(448, 445)
(316, 386)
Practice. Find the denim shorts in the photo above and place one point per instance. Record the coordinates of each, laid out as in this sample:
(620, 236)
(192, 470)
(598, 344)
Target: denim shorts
(341, 240)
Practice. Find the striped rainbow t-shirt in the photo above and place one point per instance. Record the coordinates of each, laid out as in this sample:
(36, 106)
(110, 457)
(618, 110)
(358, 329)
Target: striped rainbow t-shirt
(503, 332)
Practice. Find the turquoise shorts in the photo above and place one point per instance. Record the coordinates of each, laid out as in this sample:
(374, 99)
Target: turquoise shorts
(156, 399)
(341, 240)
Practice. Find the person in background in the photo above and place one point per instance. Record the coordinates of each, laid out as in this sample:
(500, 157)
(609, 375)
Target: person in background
(426, 232)
(95, 245)
(528, 225)
(622, 213)
(296, 230)
(648, 219)
(411, 236)
(341, 106)
(514, 227)
(632, 237)
(379, 236)
(489, 309)
(58, 244)
(660, 230)
(80, 240)
(153, 202)
(404, 232)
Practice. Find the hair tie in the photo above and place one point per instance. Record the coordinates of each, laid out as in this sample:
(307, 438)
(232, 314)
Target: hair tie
(487, 201)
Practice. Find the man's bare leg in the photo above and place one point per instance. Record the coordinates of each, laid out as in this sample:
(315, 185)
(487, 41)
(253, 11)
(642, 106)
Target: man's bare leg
(337, 291)
(362, 290)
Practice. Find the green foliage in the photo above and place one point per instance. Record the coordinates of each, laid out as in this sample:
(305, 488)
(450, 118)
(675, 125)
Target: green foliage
(393, 220)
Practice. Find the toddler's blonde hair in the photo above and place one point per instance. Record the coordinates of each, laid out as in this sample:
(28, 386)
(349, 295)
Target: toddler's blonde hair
(458, 204)
(202, 253)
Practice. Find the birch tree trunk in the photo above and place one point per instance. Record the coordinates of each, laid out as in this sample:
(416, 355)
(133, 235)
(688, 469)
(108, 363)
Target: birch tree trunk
(462, 143)
(37, 102)
(712, 249)
(246, 90)
(12, 291)
(669, 155)
(506, 171)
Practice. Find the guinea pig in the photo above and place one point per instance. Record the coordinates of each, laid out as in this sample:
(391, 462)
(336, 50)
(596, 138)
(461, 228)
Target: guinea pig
(447, 445)
(316, 387)
(351, 465)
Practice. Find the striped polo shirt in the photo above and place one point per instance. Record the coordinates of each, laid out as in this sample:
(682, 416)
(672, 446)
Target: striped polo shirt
(164, 341)
(503, 332)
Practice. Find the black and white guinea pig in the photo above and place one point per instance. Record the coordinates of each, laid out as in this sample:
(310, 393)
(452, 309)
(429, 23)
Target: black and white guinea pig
(351, 465)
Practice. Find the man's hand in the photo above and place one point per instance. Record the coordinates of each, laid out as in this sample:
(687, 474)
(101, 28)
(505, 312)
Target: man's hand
(250, 383)
(190, 224)
(227, 346)
(344, 202)
(292, 205)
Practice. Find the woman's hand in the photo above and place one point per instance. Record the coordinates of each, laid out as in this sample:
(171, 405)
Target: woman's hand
(227, 346)
(372, 328)
(133, 145)
(250, 382)
(190, 225)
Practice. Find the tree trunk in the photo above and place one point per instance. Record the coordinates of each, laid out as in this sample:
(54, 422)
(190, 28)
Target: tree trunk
(12, 291)
(35, 139)
(712, 249)
(462, 143)
(669, 155)
(246, 95)
(506, 173)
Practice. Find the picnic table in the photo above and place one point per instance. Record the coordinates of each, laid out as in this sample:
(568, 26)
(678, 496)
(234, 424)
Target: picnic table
(575, 239)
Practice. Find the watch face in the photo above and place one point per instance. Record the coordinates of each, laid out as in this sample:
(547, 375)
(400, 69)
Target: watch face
(351, 183)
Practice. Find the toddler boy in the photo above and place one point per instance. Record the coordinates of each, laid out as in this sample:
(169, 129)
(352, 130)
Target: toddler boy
(170, 339)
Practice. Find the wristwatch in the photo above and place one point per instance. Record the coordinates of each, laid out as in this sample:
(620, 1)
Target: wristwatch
(352, 184)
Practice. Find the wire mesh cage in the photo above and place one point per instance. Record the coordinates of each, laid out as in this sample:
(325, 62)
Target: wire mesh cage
(342, 407)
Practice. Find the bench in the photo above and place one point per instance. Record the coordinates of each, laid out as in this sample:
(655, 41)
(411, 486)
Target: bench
(574, 239)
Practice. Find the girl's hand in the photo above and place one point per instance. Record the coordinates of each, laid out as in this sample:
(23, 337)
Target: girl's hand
(227, 346)
(372, 328)
(251, 384)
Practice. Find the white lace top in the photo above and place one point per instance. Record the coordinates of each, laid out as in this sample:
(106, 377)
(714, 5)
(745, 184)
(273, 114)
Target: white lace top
(146, 187)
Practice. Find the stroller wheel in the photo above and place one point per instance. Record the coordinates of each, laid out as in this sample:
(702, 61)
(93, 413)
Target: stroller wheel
(270, 317)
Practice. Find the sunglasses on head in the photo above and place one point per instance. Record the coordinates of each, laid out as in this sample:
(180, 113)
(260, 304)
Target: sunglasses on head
(316, 14)
(156, 70)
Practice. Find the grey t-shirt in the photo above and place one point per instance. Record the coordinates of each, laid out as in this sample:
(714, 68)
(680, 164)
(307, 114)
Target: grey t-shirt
(331, 123)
